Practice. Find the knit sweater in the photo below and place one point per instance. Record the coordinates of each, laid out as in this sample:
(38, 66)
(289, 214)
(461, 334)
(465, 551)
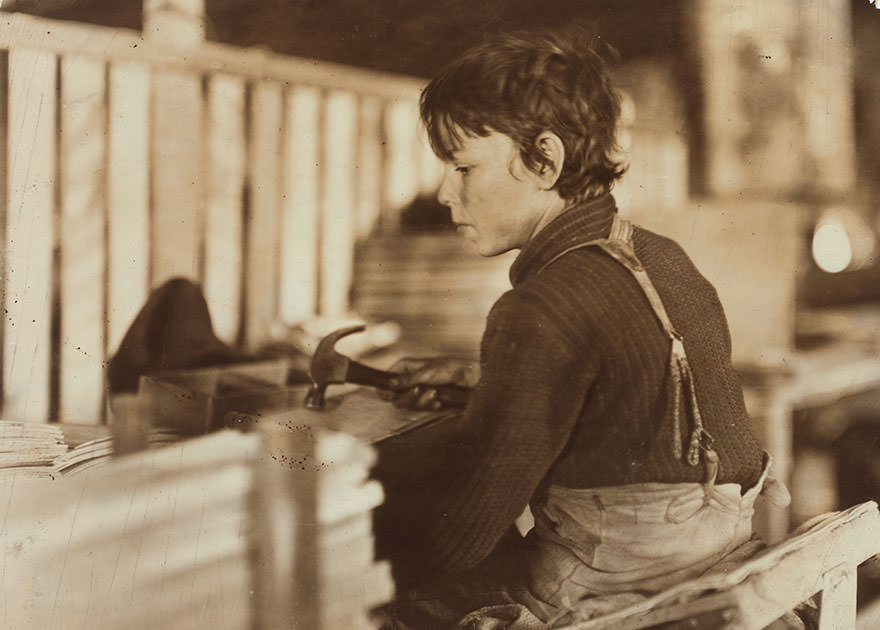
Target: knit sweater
(576, 391)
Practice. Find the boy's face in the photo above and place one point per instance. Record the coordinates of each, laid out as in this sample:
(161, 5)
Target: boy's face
(496, 202)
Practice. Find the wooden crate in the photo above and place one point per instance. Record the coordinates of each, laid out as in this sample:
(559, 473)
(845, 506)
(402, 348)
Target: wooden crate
(198, 401)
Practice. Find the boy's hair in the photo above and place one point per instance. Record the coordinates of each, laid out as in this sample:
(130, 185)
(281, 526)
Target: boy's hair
(521, 85)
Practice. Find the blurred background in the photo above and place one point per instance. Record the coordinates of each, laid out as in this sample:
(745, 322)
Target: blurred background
(270, 151)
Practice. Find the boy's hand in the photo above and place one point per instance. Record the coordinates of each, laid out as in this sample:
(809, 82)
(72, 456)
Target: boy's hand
(418, 378)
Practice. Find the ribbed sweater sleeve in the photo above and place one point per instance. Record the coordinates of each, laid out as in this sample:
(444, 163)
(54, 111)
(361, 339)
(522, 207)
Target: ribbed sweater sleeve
(518, 422)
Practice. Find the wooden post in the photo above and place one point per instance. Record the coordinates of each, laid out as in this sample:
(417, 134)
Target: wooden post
(300, 218)
(82, 163)
(30, 228)
(180, 23)
(338, 211)
(264, 184)
(369, 165)
(128, 196)
(402, 181)
(176, 147)
(226, 164)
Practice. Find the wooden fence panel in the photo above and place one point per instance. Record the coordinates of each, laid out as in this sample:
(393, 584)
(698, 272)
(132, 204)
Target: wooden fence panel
(226, 162)
(128, 196)
(338, 212)
(300, 209)
(82, 162)
(29, 235)
(176, 142)
(171, 167)
(262, 229)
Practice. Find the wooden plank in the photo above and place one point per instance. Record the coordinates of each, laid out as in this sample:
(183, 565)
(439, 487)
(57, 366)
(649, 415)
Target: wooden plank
(29, 238)
(128, 197)
(369, 165)
(82, 161)
(4, 201)
(401, 175)
(225, 165)
(338, 232)
(176, 23)
(175, 164)
(264, 179)
(17, 29)
(300, 210)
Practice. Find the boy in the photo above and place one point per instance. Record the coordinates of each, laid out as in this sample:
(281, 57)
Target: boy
(604, 399)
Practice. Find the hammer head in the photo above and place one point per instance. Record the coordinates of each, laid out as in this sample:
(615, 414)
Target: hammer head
(328, 366)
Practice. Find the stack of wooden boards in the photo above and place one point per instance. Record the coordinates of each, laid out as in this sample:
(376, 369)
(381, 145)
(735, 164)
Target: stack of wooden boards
(153, 540)
(316, 552)
(29, 449)
(99, 451)
(45, 451)
(268, 529)
(434, 285)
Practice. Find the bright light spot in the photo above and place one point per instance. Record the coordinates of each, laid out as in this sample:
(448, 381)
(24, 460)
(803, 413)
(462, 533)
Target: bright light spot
(832, 250)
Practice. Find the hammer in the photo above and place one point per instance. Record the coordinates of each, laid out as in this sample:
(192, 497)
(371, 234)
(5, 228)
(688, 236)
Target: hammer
(329, 366)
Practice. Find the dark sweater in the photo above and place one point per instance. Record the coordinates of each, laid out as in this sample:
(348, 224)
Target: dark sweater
(575, 391)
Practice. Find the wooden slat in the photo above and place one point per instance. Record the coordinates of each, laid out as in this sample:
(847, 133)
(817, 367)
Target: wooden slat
(401, 169)
(4, 201)
(226, 160)
(175, 164)
(83, 158)
(338, 232)
(29, 235)
(262, 231)
(128, 197)
(369, 166)
(300, 210)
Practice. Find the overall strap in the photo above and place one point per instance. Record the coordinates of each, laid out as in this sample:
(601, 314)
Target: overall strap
(619, 246)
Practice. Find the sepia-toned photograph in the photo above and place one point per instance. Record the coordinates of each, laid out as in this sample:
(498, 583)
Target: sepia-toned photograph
(448, 315)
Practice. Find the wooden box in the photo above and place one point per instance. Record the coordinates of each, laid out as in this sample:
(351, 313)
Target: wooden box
(197, 401)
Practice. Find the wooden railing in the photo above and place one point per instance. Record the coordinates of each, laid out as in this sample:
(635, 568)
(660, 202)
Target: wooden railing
(127, 161)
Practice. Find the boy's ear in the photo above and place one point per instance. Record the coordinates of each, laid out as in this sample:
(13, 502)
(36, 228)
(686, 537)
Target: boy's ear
(551, 146)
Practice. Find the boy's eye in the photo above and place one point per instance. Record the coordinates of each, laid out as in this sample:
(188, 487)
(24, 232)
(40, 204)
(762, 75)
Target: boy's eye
(464, 170)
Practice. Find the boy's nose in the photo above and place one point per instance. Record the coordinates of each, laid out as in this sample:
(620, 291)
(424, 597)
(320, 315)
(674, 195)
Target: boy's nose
(445, 193)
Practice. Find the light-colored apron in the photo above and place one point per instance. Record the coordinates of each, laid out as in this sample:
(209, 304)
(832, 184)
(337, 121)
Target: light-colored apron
(597, 550)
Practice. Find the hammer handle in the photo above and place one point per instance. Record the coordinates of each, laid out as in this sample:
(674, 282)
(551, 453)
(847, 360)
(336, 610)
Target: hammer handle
(365, 375)
(450, 395)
